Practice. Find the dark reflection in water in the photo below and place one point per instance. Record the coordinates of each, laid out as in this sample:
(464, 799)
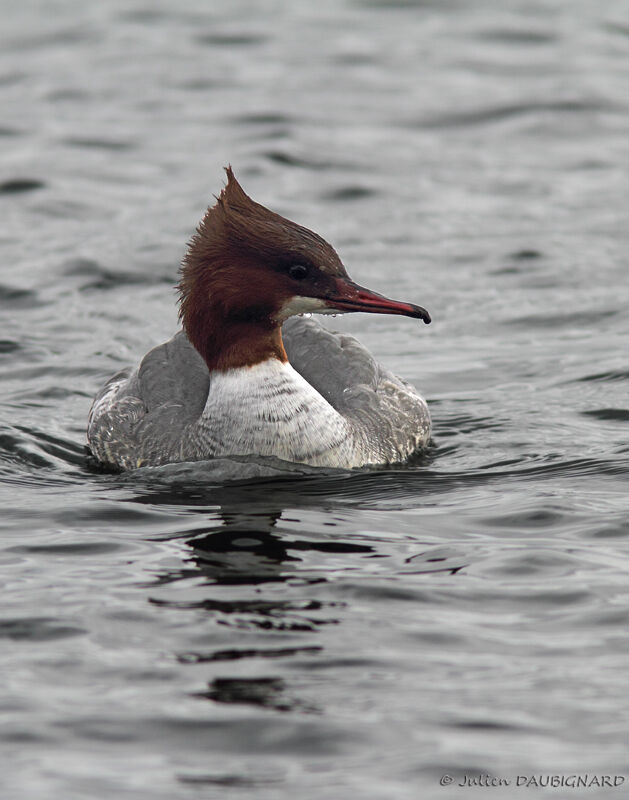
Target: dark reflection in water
(240, 554)
(263, 692)
(244, 550)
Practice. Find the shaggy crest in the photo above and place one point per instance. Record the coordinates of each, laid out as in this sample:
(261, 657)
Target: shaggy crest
(248, 269)
(234, 277)
(237, 231)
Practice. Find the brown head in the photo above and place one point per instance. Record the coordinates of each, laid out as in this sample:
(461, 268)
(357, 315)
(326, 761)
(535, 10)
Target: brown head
(247, 270)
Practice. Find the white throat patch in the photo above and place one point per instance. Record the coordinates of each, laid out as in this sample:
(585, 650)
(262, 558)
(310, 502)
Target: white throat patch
(304, 305)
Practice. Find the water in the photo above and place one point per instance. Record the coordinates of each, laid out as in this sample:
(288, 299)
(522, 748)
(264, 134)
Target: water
(170, 635)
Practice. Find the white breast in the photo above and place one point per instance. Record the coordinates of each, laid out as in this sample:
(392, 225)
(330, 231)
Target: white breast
(270, 410)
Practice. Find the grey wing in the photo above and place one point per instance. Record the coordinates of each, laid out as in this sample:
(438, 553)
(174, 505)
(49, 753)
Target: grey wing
(174, 374)
(137, 417)
(389, 410)
(334, 363)
(112, 420)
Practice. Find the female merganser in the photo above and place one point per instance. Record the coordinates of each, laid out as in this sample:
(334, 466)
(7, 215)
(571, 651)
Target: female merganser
(241, 380)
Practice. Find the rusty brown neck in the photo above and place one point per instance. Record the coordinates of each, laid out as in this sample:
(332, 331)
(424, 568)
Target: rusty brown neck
(231, 343)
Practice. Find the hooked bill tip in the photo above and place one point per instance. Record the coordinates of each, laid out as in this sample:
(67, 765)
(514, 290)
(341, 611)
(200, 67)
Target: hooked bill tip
(422, 314)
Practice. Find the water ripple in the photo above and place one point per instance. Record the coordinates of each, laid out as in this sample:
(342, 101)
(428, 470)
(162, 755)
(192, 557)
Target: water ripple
(21, 185)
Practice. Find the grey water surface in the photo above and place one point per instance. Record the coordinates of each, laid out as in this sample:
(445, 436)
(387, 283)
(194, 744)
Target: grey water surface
(245, 630)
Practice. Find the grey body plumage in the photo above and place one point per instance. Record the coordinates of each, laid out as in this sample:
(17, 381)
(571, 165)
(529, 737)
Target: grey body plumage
(339, 407)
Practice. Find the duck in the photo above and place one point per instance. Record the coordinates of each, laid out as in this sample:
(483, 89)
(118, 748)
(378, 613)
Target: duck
(251, 373)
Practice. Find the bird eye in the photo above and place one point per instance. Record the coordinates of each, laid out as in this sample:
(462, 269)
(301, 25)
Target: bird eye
(298, 271)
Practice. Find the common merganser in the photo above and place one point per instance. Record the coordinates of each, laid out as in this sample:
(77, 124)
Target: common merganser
(247, 375)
